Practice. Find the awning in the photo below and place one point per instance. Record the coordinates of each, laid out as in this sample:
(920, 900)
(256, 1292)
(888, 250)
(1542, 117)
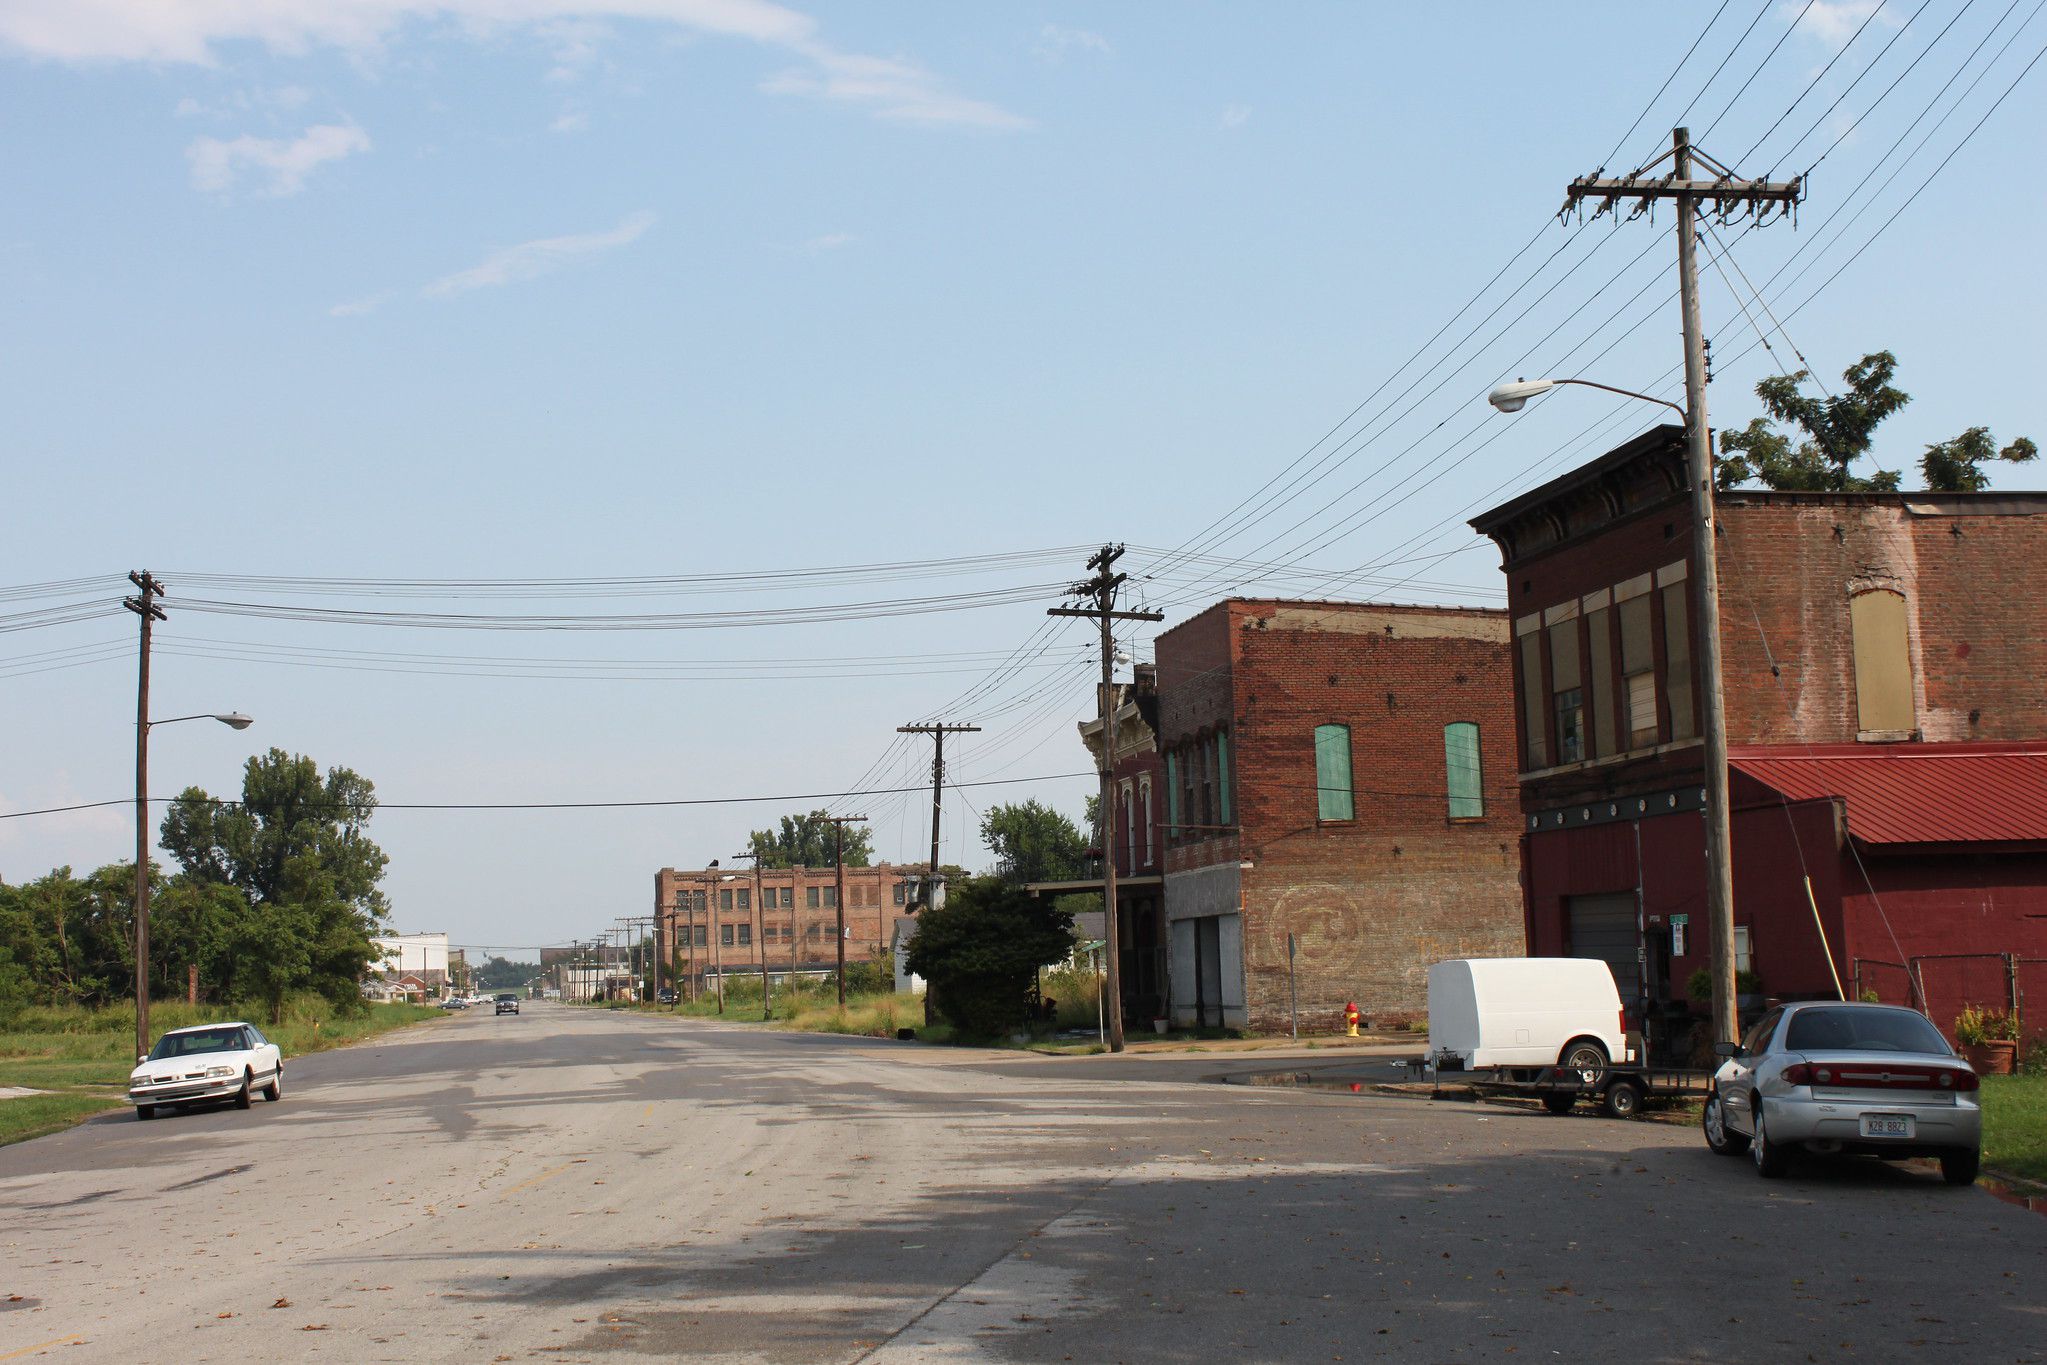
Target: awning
(1915, 793)
(1094, 884)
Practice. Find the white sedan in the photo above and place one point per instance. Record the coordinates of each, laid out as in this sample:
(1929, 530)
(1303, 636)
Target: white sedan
(209, 1062)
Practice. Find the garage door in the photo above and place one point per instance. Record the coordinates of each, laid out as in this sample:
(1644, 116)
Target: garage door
(1604, 927)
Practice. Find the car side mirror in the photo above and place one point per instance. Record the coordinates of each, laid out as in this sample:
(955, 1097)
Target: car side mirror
(1727, 1049)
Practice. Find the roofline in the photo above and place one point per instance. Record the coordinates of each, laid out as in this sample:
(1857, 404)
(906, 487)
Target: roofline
(1224, 604)
(1973, 748)
(1667, 434)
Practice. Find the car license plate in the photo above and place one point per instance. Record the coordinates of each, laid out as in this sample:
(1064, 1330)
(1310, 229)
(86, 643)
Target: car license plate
(1887, 1125)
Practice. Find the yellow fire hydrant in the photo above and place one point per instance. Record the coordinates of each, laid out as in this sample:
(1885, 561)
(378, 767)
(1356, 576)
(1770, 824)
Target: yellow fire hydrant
(1351, 1017)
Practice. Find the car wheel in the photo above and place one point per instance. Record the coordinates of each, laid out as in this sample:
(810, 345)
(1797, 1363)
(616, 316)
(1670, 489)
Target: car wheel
(1584, 1055)
(1768, 1158)
(1558, 1104)
(275, 1090)
(1623, 1100)
(145, 1111)
(1959, 1165)
(247, 1092)
(1723, 1140)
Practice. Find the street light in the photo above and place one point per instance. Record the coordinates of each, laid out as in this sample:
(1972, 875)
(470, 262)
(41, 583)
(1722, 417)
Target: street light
(234, 720)
(1699, 474)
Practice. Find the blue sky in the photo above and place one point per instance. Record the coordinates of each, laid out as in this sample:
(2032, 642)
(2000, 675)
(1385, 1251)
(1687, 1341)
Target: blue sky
(568, 288)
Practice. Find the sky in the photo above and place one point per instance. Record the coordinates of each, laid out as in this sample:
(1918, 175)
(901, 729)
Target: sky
(325, 306)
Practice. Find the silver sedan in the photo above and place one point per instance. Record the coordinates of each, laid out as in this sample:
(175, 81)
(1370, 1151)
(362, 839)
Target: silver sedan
(1845, 1077)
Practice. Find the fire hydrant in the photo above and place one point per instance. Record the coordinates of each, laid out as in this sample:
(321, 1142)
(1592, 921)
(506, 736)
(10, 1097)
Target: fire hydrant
(1351, 1017)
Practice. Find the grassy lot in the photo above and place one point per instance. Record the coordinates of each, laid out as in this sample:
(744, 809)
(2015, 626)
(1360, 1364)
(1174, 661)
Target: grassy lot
(2015, 1125)
(82, 1056)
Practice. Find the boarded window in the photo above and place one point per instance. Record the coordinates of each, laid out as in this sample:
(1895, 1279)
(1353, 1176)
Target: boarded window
(1883, 662)
(1172, 796)
(1332, 773)
(1599, 683)
(1677, 657)
(1144, 791)
(1567, 697)
(1638, 663)
(1461, 770)
(1222, 779)
(1534, 717)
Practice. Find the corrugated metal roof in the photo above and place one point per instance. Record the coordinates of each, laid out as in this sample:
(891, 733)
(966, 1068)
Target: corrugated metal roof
(1915, 793)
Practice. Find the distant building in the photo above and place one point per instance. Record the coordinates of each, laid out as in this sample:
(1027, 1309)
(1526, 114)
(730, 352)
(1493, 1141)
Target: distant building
(423, 957)
(794, 926)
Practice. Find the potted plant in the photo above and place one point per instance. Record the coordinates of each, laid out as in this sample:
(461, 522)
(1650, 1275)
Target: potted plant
(1989, 1040)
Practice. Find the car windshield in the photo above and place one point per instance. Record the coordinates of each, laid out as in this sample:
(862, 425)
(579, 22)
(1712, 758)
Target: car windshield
(1863, 1030)
(190, 1044)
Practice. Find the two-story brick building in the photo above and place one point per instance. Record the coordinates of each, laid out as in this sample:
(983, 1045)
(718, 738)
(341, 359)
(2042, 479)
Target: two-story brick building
(1338, 809)
(1885, 675)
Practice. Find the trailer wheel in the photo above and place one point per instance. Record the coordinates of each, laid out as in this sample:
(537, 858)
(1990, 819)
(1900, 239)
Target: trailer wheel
(1558, 1104)
(1623, 1100)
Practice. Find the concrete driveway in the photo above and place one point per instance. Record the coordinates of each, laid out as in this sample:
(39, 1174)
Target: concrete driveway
(574, 1184)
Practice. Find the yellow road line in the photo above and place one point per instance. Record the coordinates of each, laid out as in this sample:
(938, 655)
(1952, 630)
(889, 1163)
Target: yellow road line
(522, 1185)
(31, 1350)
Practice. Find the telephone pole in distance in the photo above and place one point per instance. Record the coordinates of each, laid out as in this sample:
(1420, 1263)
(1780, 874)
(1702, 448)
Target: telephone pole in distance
(839, 823)
(1101, 592)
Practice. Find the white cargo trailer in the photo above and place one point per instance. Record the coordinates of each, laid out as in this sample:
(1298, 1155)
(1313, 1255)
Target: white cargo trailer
(1510, 1013)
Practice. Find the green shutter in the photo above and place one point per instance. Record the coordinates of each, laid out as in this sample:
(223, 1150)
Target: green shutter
(1222, 775)
(1332, 773)
(1461, 770)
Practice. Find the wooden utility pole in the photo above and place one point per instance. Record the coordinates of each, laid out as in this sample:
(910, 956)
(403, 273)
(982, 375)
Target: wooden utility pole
(760, 935)
(143, 604)
(928, 894)
(717, 934)
(839, 823)
(1725, 193)
(1101, 591)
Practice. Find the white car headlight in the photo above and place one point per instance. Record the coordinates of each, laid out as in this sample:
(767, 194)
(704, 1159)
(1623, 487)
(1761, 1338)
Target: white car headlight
(220, 1071)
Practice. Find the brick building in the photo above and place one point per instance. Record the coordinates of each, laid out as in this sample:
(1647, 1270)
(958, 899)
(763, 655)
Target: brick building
(1883, 664)
(1342, 773)
(797, 916)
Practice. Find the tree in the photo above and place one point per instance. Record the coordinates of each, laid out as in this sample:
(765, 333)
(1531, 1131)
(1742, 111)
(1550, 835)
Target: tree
(1034, 843)
(295, 852)
(806, 841)
(1838, 431)
(981, 950)
(1956, 466)
(501, 973)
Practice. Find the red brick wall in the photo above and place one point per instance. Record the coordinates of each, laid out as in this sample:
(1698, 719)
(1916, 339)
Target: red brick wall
(870, 909)
(1372, 902)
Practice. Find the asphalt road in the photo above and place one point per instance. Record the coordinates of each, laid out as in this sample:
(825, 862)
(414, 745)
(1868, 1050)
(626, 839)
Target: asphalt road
(574, 1184)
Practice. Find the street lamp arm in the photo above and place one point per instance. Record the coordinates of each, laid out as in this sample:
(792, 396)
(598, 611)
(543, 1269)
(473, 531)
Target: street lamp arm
(233, 719)
(1627, 393)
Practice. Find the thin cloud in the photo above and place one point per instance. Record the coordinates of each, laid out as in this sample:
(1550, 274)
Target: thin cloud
(1234, 116)
(891, 88)
(1055, 42)
(1834, 22)
(529, 260)
(830, 241)
(356, 308)
(219, 164)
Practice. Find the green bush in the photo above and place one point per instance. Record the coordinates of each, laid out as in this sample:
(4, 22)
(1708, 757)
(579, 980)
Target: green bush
(982, 949)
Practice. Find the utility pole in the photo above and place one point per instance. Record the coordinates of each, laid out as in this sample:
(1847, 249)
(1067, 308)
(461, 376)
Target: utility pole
(839, 823)
(928, 893)
(143, 604)
(1101, 591)
(760, 938)
(717, 933)
(1724, 192)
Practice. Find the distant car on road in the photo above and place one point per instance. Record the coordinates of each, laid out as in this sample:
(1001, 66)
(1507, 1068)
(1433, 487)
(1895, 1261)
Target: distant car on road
(1846, 1077)
(664, 996)
(508, 1004)
(206, 1063)
(454, 1002)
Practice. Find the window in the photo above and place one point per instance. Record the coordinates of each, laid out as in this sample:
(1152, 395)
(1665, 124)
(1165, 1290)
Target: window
(814, 932)
(745, 935)
(725, 934)
(1599, 685)
(1741, 948)
(1144, 799)
(1677, 662)
(703, 936)
(1534, 716)
(1222, 778)
(745, 898)
(831, 898)
(1567, 699)
(810, 897)
(1638, 667)
(725, 898)
(1461, 768)
(1883, 662)
(1172, 796)
(1332, 773)
(902, 893)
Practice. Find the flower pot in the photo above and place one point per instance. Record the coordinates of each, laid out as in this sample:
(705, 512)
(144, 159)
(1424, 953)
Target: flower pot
(1992, 1056)
(1160, 1025)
